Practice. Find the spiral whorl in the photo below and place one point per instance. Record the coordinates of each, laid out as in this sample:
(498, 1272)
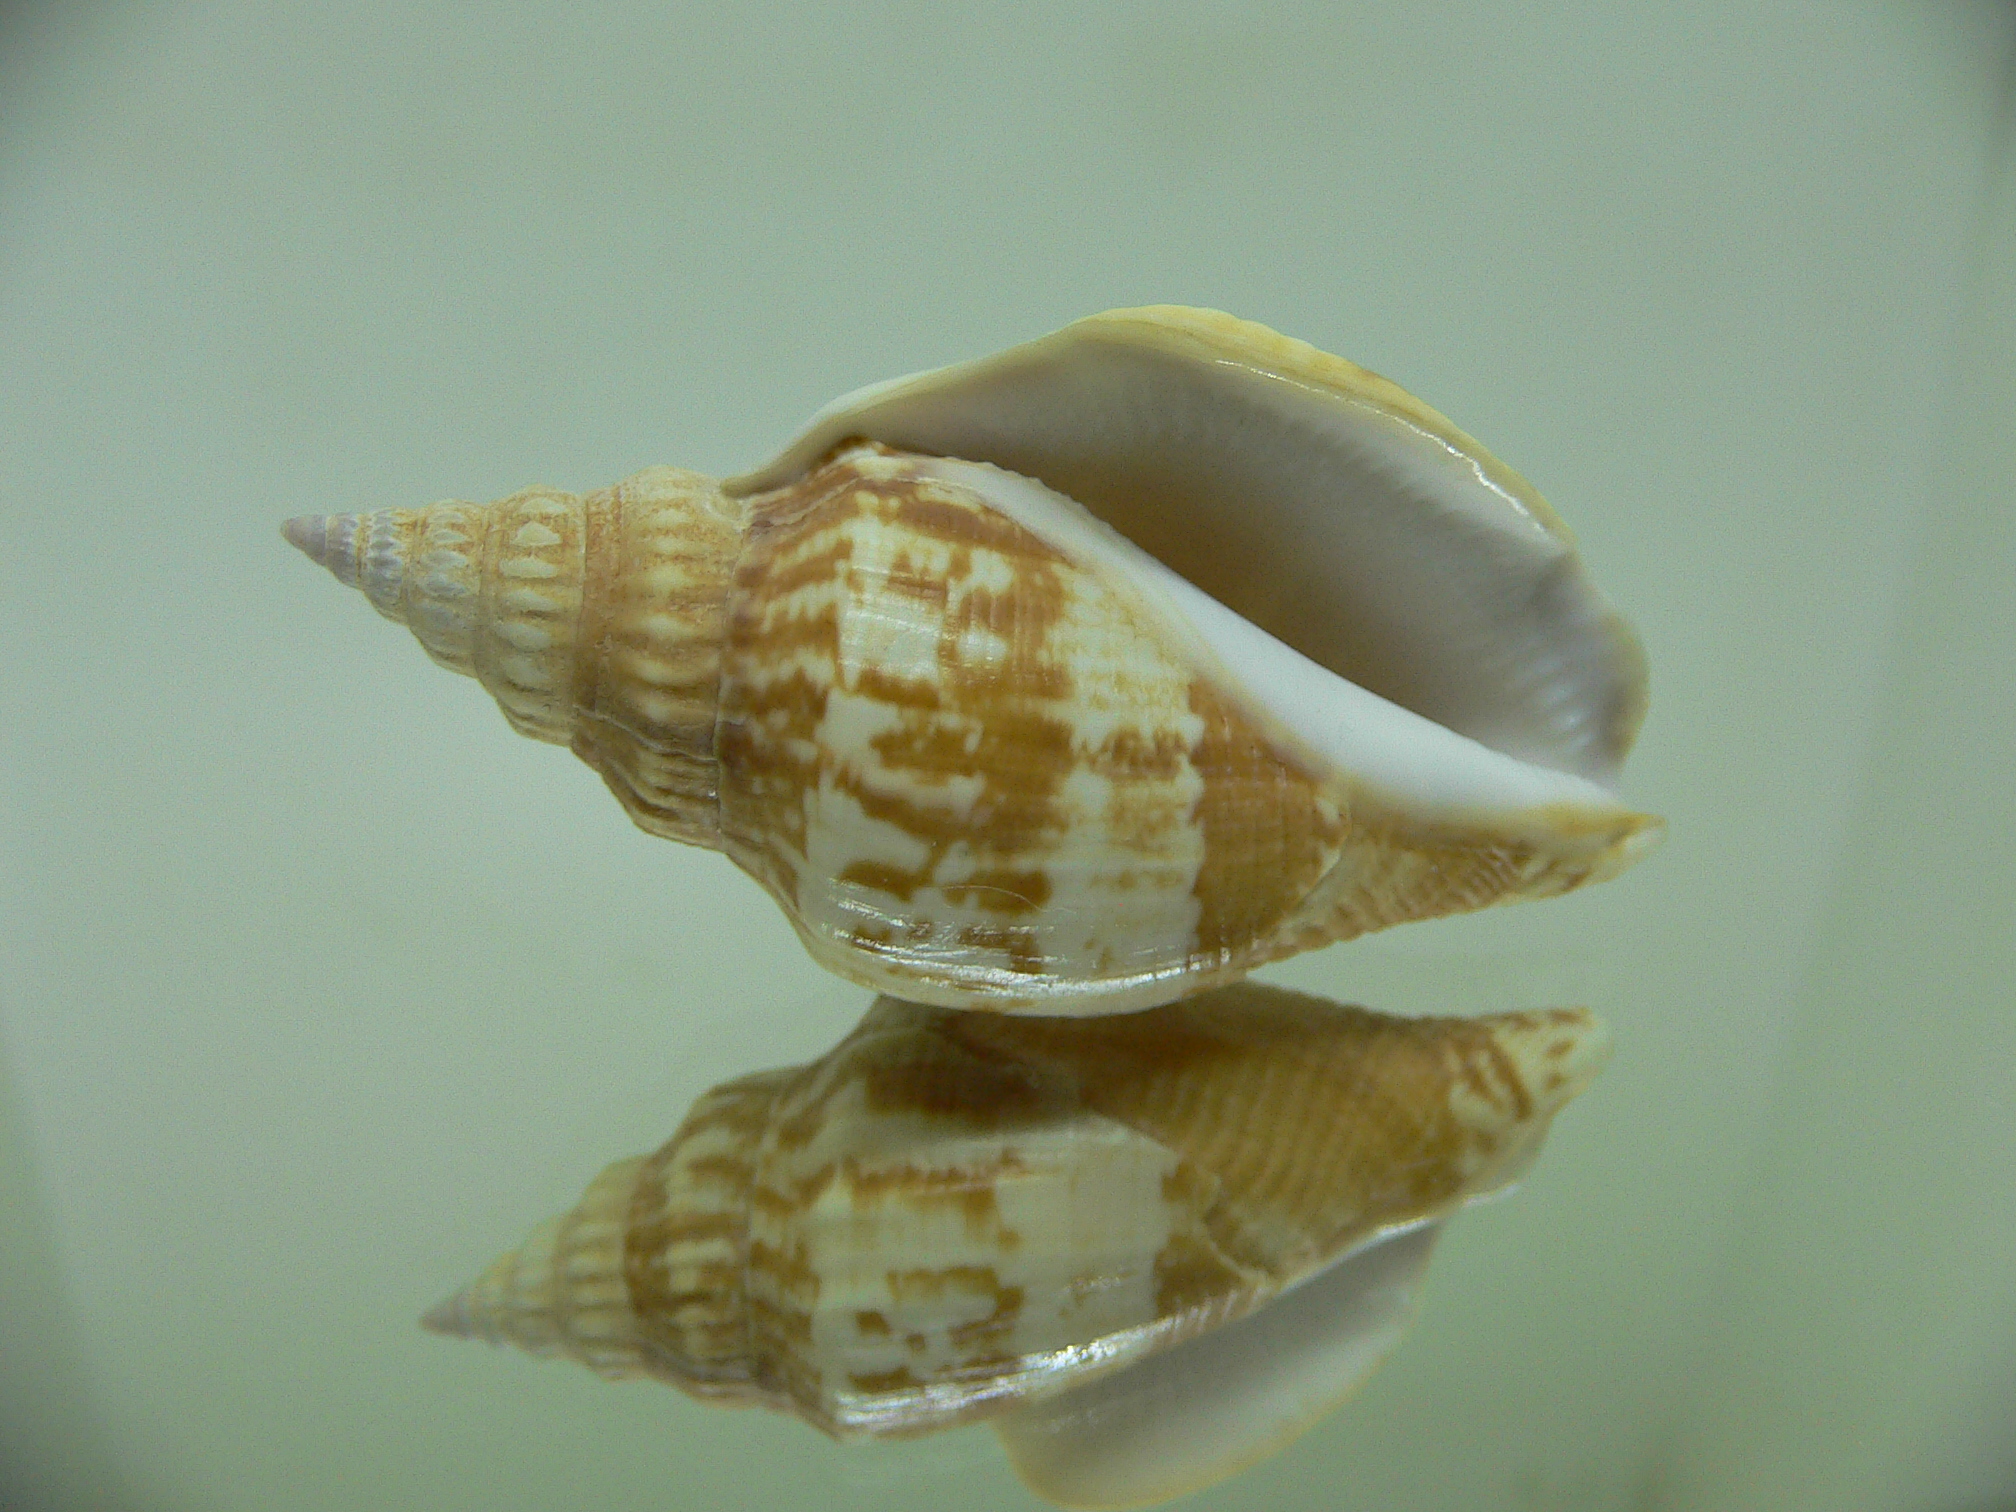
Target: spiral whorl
(595, 621)
(491, 590)
(365, 552)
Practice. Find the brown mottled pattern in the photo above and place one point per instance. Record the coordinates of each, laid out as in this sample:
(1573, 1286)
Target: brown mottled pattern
(1394, 871)
(651, 656)
(923, 1187)
(1314, 1122)
(1302, 1127)
(990, 720)
(1292, 864)
(982, 721)
(882, 1240)
(946, 1319)
(913, 684)
(764, 735)
(971, 769)
(686, 1245)
(987, 867)
(1269, 835)
(976, 1337)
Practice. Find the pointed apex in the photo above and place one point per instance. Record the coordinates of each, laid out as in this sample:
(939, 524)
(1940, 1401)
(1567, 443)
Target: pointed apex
(450, 1317)
(307, 533)
(1554, 1052)
(328, 540)
(368, 552)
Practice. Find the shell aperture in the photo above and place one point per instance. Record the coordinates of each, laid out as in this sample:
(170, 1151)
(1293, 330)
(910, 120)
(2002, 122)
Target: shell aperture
(1078, 1229)
(1072, 680)
(1314, 498)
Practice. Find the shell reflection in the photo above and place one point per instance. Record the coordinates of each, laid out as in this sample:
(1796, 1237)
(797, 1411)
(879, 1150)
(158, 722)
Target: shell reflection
(1150, 1248)
(1079, 678)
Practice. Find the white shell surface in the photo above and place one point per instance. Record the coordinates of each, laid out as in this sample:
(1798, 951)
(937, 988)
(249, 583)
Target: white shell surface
(1216, 1404)
(1315, 499)
(1239, 663)
(255, 268)
(989, 753)
(1342, 730)
(951, 1215)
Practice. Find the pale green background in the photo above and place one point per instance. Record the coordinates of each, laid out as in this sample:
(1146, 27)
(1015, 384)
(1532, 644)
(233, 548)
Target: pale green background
(319, 987)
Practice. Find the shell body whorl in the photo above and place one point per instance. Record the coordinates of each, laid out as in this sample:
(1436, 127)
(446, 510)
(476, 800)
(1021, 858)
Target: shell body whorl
(971, 767)
(986, 750)
(954, 1216)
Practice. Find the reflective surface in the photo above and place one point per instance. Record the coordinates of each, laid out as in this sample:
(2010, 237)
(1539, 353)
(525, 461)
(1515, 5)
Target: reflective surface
(1149, 1249)
(1720, 283)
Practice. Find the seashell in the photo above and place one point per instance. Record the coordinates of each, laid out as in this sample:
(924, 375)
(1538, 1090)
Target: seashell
(1075, 679)
(1149, 1248)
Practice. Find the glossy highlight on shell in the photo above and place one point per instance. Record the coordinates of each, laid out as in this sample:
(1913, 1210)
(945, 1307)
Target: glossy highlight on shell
(1149, 1248)
(1072, 680)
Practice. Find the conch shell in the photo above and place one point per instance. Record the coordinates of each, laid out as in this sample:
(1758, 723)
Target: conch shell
(1076, 679)
(1149, 1248)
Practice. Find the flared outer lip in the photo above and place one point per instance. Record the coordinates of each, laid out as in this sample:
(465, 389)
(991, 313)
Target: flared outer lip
(1314, 498)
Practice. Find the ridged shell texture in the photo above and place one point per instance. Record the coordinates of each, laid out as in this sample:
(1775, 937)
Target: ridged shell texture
(985, 751)
(1074, 681)
(951, 1214)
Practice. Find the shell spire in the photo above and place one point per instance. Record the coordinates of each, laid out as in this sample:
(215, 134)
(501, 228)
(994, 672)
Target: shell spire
(561, 1292)
(620, 664)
